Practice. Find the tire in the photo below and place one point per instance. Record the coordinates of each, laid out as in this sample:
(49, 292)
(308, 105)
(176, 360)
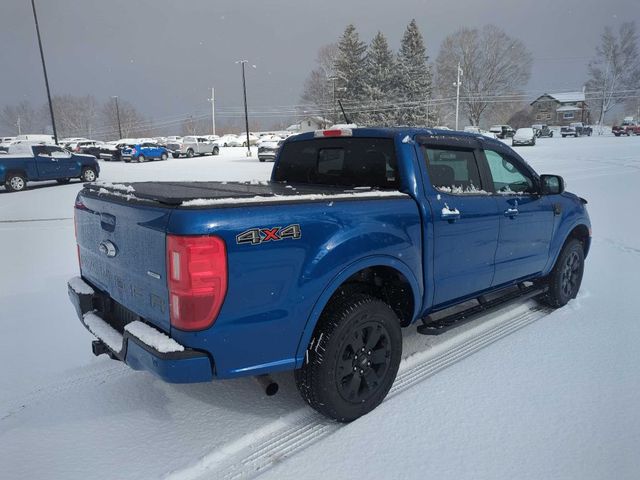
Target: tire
(175, 155)
(244, 144)
(351, 368)
(261, 159)
(551, 135)
(15, 182)
(617, 134)
(566, 277)
(564, 136)
(190, 153)
(141, 159)
(88, 175)
(164, 156)
(216, 151)
(63, 181)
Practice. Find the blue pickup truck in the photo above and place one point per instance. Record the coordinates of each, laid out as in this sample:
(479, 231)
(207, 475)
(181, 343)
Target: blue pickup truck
(26, 163)
(359, 232)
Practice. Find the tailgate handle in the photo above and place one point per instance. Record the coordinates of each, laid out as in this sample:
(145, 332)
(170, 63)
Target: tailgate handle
(108, 222)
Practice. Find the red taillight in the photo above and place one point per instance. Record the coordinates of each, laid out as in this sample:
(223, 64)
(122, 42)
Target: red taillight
(197, 280)
(339, 132)
(133, 151)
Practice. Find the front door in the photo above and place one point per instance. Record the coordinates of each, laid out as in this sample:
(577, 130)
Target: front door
(526, 218)
(465, 222)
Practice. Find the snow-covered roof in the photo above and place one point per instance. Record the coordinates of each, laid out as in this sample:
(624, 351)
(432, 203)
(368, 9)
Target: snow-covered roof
(567, 108)
(567, 97)
(564, 97)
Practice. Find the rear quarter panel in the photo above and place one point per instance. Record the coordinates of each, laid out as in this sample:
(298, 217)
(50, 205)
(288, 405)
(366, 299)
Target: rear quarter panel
(273, 287)
(26, 165)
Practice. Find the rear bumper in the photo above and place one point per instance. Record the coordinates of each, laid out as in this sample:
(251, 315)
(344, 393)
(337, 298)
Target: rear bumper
(142, 347)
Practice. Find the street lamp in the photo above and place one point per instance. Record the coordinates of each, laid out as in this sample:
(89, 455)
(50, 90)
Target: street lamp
(118, 116)
(44, 69)
(457, 85)
(246, 114)
(213, 111)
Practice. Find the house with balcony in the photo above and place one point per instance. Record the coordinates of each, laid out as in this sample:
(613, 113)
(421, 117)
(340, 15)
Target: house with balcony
(561, 108)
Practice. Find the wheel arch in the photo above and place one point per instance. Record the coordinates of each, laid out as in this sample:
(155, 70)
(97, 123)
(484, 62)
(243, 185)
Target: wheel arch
(365, 274)
(579, 231)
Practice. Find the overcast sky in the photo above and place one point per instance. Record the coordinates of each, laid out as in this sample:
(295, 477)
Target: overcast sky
(164, 56)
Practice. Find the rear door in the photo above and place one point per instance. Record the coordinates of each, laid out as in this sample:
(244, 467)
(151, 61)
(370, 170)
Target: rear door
(465, 220)
(122, 252)
(48, 167)
(526, 218)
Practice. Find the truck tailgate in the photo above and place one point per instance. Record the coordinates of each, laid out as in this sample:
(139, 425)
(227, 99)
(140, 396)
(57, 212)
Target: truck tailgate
(122, 252)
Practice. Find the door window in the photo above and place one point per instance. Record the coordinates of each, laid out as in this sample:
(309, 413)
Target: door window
(453, 171)
(508, 177)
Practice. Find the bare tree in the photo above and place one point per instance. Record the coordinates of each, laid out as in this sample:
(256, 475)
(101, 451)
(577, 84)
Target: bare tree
(614, 73)
(494, 65)
(318, 87)
(21, 118)
(75, 116)
(132, 122)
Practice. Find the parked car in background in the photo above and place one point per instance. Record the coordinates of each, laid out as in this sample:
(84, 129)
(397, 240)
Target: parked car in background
(267, 138)
(141, 152)
(46, 139)
(502, 131)
(192, 146)
(28, 162)
(174, 146)
(5, 142)
(576, 129)
(225, 140)
(253, 139)
(268, 149)
(628, 128)
(479, 131)
(90, 148)
(112, 151)
(524, 136)
(542, 130)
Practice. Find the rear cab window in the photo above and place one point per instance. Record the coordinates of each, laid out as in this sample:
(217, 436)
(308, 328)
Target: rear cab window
(348, 162)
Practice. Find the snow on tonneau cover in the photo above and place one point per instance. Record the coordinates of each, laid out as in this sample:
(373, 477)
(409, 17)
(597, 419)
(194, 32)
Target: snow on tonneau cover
(122, 228)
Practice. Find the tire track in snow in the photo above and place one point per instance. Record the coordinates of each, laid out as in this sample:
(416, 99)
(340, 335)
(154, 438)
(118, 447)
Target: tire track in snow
(11, 406)
(257, 452)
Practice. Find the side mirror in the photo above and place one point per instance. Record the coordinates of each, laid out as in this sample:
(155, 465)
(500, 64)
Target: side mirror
(551, 184)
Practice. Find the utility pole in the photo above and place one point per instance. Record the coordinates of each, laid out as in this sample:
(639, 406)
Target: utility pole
(246, 114)
(213, 111)
(457, 85)
(118, 116)
(44, 69)
(335, 112)
(18, 125)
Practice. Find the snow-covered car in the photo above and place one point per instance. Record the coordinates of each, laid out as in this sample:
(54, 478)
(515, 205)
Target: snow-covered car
(268, 149)
(253, 139)
(227, 140)
(502, 131)
(479, 131)
(29, 138)
(5, 142)
(267, 138)
(524, 136)
(542, 130)
(192, 146)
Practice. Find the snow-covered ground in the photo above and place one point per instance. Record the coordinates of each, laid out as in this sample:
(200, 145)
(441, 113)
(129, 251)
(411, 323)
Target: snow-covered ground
(523, 393)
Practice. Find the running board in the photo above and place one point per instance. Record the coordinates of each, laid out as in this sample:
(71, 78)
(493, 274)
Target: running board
(442, 325)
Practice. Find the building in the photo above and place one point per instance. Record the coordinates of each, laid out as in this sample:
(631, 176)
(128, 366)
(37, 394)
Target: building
(310, 124)
(561, 108)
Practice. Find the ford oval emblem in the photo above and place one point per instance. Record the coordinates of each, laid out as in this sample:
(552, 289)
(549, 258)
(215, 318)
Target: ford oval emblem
(108, 248)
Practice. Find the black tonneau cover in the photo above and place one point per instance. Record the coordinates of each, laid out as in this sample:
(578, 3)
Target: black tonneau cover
(178, 193)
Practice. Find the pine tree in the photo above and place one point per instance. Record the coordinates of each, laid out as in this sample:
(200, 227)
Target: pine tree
(350, 69)
(378, 88)
(413, 80)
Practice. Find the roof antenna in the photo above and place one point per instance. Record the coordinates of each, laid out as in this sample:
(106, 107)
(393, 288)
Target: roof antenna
(344, 114)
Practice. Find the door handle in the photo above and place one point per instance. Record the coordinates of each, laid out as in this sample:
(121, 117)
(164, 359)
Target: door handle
(449, 214)
(511, 212)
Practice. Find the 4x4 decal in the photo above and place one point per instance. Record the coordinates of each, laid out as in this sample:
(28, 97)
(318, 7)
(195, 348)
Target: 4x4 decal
(256, 236)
